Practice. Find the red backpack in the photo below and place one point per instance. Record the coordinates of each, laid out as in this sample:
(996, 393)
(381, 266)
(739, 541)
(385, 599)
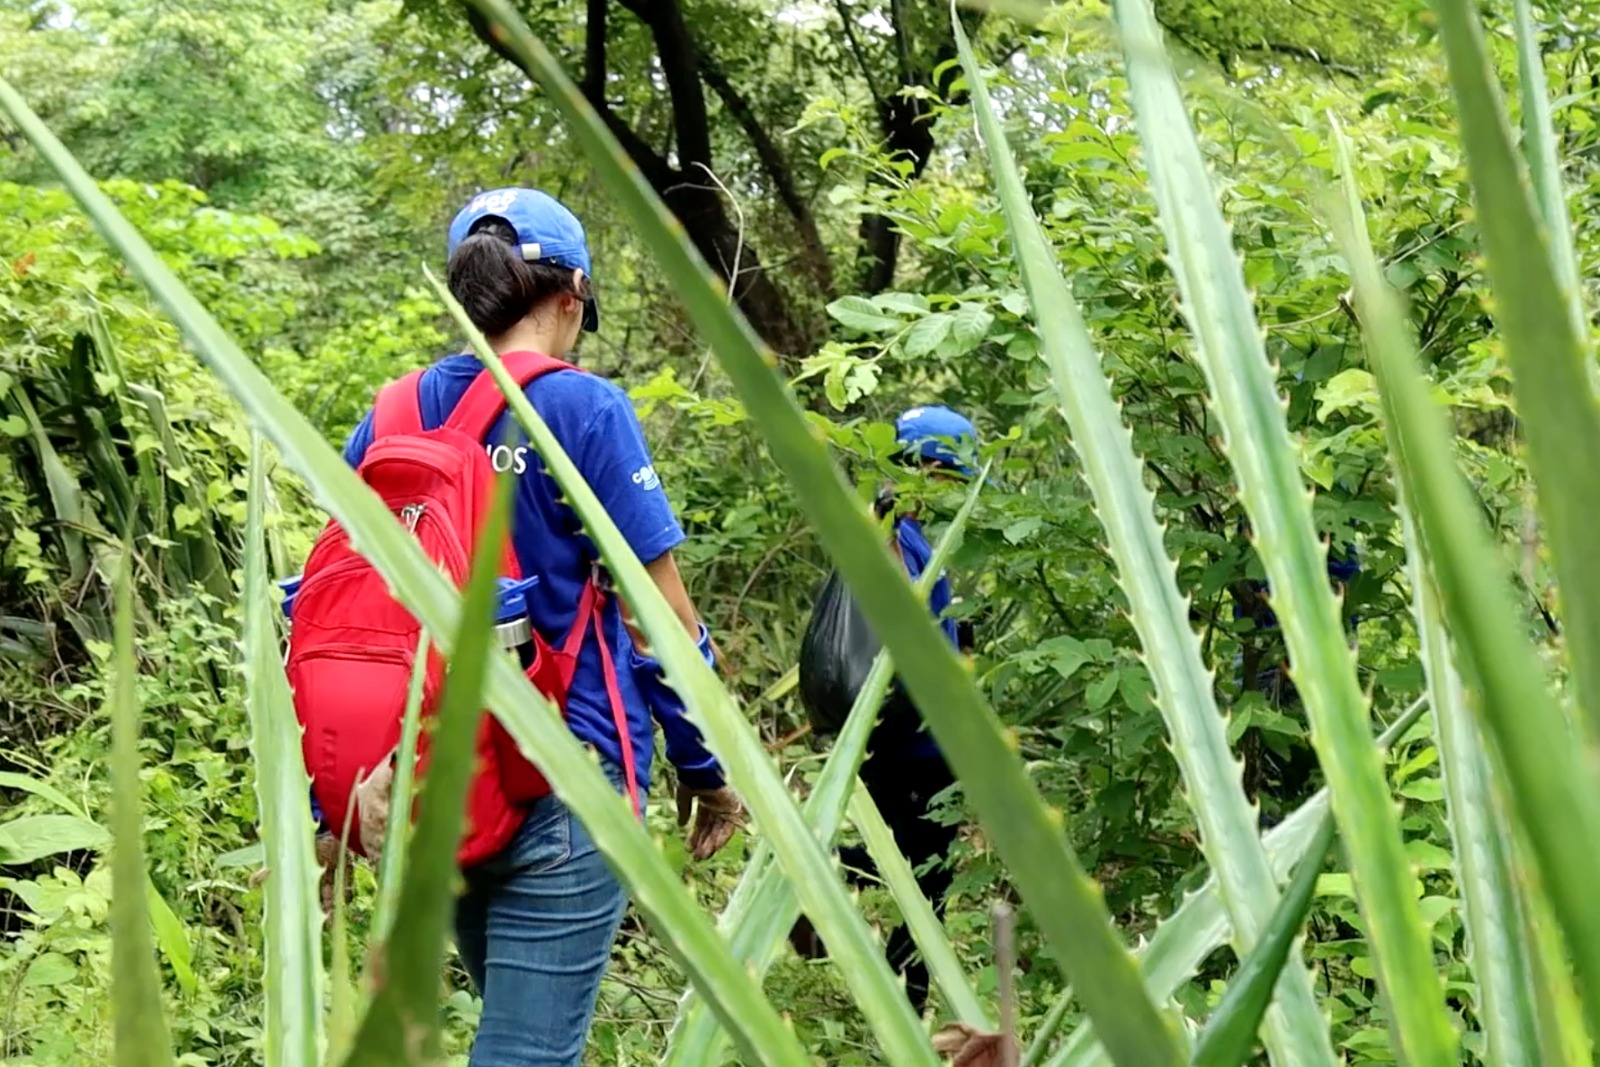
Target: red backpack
(352, 644)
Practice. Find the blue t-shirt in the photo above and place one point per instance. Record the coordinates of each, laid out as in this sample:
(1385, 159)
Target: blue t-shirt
(918, 553)
(595, 423)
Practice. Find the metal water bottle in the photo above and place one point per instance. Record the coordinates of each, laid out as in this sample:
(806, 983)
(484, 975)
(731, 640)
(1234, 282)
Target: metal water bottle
(291, 589)
(512, 630)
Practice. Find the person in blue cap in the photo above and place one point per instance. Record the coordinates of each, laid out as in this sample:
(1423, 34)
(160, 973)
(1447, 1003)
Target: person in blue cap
(536, 923)
(904, 770)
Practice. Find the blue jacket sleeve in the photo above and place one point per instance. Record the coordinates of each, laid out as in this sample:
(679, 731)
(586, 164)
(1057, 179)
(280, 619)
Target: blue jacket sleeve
(686, 750)
(355, 446)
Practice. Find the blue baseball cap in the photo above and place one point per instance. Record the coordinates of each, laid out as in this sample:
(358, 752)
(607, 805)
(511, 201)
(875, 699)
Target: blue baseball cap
(546, 232)
(936, 433)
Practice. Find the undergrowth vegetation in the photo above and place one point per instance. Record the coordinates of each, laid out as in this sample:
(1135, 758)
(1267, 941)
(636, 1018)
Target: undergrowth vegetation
(1160, 304)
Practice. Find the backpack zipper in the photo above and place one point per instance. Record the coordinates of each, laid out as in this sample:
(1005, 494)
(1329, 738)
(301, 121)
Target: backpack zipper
(411, 514)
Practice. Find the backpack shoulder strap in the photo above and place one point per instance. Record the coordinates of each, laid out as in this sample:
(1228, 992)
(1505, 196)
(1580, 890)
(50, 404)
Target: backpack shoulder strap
(591, 617)
(398, 409)
(483, 401)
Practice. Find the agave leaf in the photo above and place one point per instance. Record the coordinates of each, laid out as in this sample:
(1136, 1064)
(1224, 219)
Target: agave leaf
(1026, 833)
(429, 595)
(1550, 789)
(66, 496)
(152, 484)
(1217, 307)
(1297, 1033)
(1539, 147)
(1230, 1034)
(343, 996)
(742, 754)
(172, 939)
(292, 916)
(1534, 308)
(1562, 1039)
(926, 929)
(391, 868)
(402, 1024)
(1480, 833)
(1039, 1044)
(763, 906)
(1193, 932)
(203, 556)
(140, 1023)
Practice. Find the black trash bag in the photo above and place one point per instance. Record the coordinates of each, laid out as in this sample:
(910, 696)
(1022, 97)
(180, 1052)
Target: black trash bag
(836, 656)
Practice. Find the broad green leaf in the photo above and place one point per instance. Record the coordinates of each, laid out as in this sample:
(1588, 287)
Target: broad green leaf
(42, 789)
(249, 856)
(1190, 934)
(926, 929)
(34, 837)
(1230, 1034)
(402, 1023)
(928, 333)
(862, 315)
(172, 938)
(740, 751)
(763, 907)
(537, 725)
(1297, 1033)
(49, 969)
(140, 1024)
(1027, 835)
(1229, 342)
(1485, 878)
(1550, 371)
(292, 913)
(1549, 786)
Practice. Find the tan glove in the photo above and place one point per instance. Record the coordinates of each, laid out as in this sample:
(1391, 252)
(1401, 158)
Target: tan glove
(970, 1047)
(720, 814)
(372, 809)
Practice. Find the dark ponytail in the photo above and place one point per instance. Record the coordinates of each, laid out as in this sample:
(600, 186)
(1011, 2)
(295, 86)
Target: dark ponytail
(498, 289)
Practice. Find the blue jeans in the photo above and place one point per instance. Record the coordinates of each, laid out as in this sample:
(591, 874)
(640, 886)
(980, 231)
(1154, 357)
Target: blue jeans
(535, 928)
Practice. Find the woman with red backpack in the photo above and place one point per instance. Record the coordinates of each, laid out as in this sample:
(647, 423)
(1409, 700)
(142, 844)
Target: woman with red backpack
(538, 917)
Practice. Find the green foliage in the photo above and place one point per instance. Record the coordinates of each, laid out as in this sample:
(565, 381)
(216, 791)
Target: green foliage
(298, 212)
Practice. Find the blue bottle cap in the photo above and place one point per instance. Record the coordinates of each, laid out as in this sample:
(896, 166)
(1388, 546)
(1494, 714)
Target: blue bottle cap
(291, 588)
(512, 601)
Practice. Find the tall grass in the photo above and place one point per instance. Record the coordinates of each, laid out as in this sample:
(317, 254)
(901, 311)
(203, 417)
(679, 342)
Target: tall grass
(1524, 800)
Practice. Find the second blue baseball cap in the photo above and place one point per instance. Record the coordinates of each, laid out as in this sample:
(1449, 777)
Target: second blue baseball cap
(939, 434)
(546, 232)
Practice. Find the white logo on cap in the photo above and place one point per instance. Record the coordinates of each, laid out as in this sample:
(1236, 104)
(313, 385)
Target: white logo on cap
(496, 201)
(645, 478)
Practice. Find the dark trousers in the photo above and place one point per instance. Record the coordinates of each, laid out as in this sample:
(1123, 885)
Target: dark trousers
(903, 789)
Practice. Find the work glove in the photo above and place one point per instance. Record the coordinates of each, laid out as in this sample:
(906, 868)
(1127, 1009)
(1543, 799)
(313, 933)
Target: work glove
(717, 816)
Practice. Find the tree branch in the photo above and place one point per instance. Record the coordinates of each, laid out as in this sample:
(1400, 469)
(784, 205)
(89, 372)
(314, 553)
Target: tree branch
(649, 161)
(860, 54)
(680, 64)
(594, 58)
(776, 167)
